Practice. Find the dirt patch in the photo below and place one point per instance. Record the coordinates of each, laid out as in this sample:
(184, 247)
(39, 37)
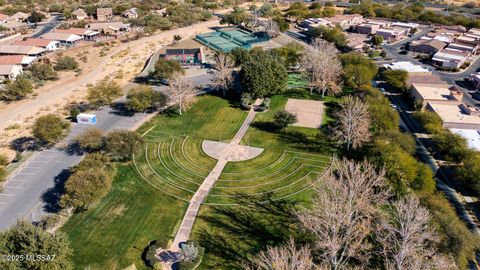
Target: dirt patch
(118, 211)
(309, 112)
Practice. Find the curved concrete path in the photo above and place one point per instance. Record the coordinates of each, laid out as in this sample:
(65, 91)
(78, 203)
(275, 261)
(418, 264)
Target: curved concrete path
(183, 232)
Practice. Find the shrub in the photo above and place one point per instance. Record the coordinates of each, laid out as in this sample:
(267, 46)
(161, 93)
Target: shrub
(16, 89)
(143, 98)
(50, 128)
(43, 71)
(91, 140)
(90, 181)
(452, 146)
(430, 121)
(282, 119)
(66, 63)
(121, 144)
(246, 101)
(104, 92)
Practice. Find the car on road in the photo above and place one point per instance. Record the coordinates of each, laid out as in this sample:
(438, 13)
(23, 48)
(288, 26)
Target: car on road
(394, 106)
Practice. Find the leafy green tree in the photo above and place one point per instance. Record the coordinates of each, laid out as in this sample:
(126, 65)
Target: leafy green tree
(121, 144)
(282, 119)
(166, 69)
(468, 173)
(24, 238)
(283, 25)
(91, 180)
(36, 17)
(237, 16)
(66, 63)
(383, 116)
(104, 92)
(291, 53)
(334, 35)
(377, 40)
(43, 71)
(155, 22)
(143, 98)
(424, 181)
(430, 121)
(91, 140)
(396, 79)
(263, 75)
(297, 11)
(16, 89)
(50, 128)
(358, 71)
(452, 146)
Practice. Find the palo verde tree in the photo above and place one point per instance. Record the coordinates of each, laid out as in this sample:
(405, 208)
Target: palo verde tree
(104, 92)
(50, 128)
(142, 98)
(166, 69)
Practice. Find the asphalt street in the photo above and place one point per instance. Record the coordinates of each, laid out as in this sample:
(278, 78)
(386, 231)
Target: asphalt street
(46, 27)
(453, 78)
(32, 191)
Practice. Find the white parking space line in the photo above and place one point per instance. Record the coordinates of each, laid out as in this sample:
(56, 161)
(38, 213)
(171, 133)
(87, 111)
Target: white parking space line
(6, 195)
(26, 173)
(17, 180)
(12, 187)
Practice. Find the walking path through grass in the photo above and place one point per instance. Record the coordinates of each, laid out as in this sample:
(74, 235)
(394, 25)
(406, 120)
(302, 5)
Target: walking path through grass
(183, 232)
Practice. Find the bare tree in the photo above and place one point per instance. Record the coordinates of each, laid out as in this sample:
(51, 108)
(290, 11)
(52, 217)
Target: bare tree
(343, 211)
(322, 67)
(181, 92)
(408, 241)
(272, 28)
(353, 123)
(223, 76)
(284, 258)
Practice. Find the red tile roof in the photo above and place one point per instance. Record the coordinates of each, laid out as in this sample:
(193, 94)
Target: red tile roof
(75, 31)
(33, 42)
(11, 59)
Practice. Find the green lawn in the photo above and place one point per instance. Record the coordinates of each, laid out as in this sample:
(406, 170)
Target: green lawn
(149, 195)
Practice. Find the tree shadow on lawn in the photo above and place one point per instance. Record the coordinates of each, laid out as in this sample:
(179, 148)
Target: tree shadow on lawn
(51, 197)
(320, 143)
(237, 233)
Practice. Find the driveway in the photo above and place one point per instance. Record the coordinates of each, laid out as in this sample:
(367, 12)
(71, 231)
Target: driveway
(33, 190)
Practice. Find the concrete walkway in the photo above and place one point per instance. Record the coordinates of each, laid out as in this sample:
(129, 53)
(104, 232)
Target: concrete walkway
(183, 232)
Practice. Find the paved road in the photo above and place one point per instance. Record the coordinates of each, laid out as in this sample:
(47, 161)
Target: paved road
(28, 192)
(443, 183)
(47, 27)
(450, 77)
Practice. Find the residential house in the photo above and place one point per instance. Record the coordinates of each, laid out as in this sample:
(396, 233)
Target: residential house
(424, 79)
(382, 24)
(20, 16)
(191, 56)
(10, 72)
(367, 28)
(104, 14)
(408, 26)
(65, 39)
(475, 80)
(450, 58)
(21, 50)
(80, 14)
(131, 13)
(471, 49)
(86, 34)
(356, 41)
(435, 93)
(346, 21)
(431, 46)
(458, 116)
(22, 60)
(454, 28)
(109, 28)
(312, 23)
(392, 34)
(409, 67)
(49, 45)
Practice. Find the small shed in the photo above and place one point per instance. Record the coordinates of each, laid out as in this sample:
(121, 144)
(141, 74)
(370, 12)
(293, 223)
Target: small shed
(87, 119)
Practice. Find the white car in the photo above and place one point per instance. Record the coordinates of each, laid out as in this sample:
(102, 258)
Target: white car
(394, 106)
